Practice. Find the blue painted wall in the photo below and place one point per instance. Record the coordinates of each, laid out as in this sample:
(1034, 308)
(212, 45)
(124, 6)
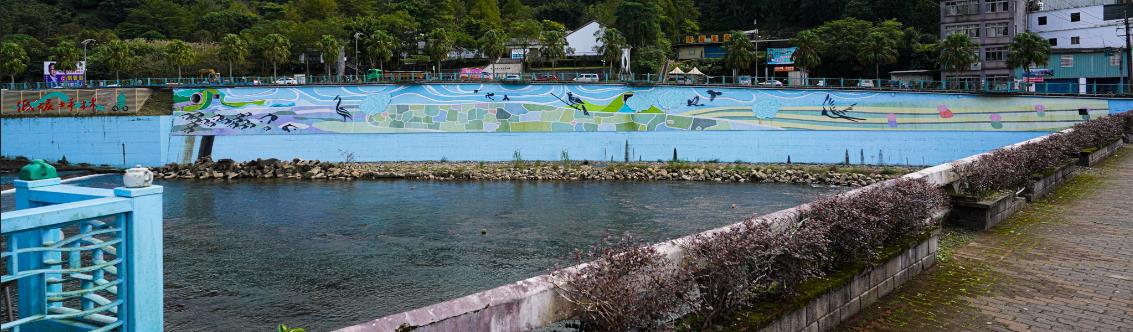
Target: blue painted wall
(149, 141)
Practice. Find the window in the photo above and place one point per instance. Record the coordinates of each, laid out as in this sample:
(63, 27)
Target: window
(1042, 20)
(1075, 17)
(727, 36)
(715, 38)
(995, 54)
(996, 6)
(961, 7)
(996, 29)
(1115, 59)
(1066, 61)
(1053, 41)
(688, 39)
(1075, 40)
(971, 30)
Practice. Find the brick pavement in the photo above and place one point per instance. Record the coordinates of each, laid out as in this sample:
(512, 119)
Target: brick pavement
(1063, 264)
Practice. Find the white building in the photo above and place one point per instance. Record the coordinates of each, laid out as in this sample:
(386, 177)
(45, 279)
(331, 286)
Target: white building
(583, 41)
(1079, 24)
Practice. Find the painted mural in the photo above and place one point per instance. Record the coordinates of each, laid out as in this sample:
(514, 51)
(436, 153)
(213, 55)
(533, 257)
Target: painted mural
(73, 101)
(607, 108)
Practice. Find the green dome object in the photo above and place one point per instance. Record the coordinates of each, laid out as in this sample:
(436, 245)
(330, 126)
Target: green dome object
(37, 170)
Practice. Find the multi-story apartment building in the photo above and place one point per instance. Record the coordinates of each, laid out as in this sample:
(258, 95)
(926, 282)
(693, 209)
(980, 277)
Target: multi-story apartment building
(991, 24)
(1087, 38)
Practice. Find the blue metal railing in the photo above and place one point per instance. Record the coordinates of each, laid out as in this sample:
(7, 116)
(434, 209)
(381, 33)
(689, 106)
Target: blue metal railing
(1060, 88)
(84, 259)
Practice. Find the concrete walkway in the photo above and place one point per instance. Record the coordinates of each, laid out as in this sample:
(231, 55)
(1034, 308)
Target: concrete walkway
(1063, 264)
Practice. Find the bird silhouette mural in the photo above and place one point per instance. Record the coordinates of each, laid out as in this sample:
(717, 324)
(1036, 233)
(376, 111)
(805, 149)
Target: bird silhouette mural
(341, 110)
(712, 94)
(271, 117)
(695, 101)
(831, 111)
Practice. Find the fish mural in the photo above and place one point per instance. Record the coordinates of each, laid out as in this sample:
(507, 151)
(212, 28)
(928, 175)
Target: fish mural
(581, 108)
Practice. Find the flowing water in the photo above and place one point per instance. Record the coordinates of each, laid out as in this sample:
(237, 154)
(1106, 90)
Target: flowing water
(248, 255)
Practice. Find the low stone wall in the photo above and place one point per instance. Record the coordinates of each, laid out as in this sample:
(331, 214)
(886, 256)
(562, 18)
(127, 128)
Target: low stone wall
(985, 214)
(827, 311)
(1090, 159)
(840, 175)
(1039, 188)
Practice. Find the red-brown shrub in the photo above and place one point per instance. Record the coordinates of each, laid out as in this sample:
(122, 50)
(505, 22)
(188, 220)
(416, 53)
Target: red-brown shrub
(627, 285)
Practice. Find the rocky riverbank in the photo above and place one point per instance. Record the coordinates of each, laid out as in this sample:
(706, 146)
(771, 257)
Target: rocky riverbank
(298, 169)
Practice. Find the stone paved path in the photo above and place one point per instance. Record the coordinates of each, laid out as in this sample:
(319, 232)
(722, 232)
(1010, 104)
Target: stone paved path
(1063, 264)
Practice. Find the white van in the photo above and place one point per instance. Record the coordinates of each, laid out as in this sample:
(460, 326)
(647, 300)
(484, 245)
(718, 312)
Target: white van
(586, 78)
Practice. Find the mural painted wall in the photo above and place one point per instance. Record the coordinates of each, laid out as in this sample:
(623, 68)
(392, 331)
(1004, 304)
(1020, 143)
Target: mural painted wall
(608, 108)
(73, 101)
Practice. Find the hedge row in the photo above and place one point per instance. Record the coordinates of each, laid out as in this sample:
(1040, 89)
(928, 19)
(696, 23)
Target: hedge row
(1011, 168)
(634, 287)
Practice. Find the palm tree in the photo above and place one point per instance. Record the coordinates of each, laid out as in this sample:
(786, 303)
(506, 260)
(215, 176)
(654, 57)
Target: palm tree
(234, 49)
(119, 55)
(327, 46)
(179, 53)
(957, 53)
(439, 44)
(554, 46)
(381, 44)
(276, 49)
(1028, 49)
(493, 45)
(809, 47)
(741, 52)
(611, 43)
(13, 60)
(877, 49)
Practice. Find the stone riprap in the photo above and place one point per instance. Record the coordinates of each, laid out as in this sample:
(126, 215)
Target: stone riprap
(575, 171)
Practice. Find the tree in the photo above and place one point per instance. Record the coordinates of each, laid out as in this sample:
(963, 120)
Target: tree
(957, 53)
(66, 56)
(1028, 49)
(639, 22)
(119, 55)
(234, 49)
(485, 10)
(611, 43)
(328, 48)
(276, 48)
(381, 45)
(741, 52)
(877, 49)
(515, 10)
(525, 32)
(554, 42)
(316, 9)
(493, 45)
(179, 53)
(13, 60)
(809, 47)
(438, 44)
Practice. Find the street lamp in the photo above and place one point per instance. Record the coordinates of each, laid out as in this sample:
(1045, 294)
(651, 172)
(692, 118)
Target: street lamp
(85, 42)
(357, 55)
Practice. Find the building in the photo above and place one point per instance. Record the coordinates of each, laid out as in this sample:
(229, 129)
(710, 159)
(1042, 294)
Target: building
(584, 40)
(1088, 52)
(991, 24)
(702, 46)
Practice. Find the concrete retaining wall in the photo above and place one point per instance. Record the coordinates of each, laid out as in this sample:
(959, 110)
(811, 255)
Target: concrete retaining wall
(1039, 188)
(838, 305)
(1090, 159)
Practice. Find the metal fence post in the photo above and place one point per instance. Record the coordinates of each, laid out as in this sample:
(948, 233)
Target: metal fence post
(144, 243)
(32, 290)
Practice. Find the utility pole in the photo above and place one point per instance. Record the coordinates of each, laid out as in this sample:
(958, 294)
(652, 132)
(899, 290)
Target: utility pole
(1128, 55)
(357, 56)
(88, 41)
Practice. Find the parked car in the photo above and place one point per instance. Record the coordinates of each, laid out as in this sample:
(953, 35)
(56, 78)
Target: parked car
(512, 77)
(865, 83)
(586, 78)
(286, 81)
(771, 83)
(744, 80)
(546, 77)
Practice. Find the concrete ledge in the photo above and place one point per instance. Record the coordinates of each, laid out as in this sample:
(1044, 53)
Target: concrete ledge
(1089, 159)
(1041, 187)
(840, 304)
(985, 214)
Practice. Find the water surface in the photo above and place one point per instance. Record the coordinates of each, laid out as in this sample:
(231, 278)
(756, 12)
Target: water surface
(248, 255)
